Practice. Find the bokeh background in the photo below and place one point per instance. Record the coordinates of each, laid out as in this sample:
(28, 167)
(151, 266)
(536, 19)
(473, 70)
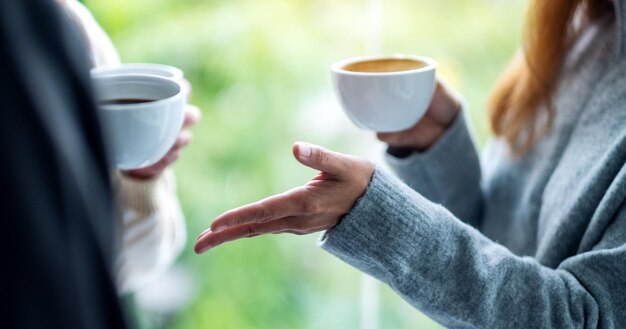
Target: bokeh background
(259, 71)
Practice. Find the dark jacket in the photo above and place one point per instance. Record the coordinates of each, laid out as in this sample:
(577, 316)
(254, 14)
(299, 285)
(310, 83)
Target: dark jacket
(55, 199)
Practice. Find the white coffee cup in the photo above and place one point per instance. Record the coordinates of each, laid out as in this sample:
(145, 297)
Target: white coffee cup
(139, 134)
(385, 98)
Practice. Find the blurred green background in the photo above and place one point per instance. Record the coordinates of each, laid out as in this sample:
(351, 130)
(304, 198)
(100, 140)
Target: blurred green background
(259, 71)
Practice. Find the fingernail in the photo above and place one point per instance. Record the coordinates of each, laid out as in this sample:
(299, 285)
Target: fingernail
(199, 250)
(305, 150)
(220, 228)
(205, 232)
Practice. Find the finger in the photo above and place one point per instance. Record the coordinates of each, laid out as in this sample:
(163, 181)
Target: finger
(279, 206)
(208, 230)
(167, 160)
(188, 88)
(389, 138)
(192, 116)
(321, 159)
(213, 239)
(419, 137)
(445, 104)
(183, 139)
(402, 139)
(155, 169)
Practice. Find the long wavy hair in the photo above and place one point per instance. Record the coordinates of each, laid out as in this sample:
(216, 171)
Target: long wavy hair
(520, 107)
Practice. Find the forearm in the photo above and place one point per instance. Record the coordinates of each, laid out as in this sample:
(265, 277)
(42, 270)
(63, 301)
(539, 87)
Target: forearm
(152, 228)
(454, 274)
(448, 173)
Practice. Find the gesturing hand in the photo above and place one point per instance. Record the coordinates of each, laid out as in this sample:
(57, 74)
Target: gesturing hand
(316, 206)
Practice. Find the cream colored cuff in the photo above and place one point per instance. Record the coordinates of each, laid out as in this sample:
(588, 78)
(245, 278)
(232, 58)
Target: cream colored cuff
(141, 195)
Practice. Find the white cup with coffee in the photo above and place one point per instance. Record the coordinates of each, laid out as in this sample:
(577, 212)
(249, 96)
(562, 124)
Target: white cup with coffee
(141, 116)
(161, 70)
(385, 93)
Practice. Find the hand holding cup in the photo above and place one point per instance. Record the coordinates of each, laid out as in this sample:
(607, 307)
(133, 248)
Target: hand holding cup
(443, 109)
(192, 116)
(144, 143)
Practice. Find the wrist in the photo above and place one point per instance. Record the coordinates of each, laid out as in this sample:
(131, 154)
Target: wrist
(138, 175)
(140, 195)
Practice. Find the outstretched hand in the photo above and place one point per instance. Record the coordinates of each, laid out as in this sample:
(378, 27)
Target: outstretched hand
(319, 205)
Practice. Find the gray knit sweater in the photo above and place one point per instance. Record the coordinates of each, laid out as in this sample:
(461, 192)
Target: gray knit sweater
(537, 241)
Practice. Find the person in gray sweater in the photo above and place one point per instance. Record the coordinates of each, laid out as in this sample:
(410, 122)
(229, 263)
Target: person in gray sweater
(532, 236)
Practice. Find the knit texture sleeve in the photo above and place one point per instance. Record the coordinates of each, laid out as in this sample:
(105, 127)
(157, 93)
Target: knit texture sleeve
(152, 228)
(458, 277)
(448, 173)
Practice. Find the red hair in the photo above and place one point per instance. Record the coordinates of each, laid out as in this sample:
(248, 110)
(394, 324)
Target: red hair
(528, 84)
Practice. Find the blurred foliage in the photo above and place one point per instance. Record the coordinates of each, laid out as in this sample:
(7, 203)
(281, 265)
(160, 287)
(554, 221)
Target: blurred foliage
(259, 70)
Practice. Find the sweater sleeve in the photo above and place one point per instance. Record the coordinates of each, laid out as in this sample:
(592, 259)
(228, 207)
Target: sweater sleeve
(461, 279)
(152, 228)
(451, 163)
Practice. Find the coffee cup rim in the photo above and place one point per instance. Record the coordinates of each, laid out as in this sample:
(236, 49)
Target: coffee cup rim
(138, 106)
(118, 69)
(338, 67)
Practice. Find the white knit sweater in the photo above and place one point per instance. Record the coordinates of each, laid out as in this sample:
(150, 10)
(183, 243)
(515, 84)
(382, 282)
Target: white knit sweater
(152, 225)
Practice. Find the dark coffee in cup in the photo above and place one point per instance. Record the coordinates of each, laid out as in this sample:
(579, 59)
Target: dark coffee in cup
(124, 101)
(385, 65)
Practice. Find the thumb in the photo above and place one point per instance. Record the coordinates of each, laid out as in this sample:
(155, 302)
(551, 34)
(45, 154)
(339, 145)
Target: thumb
(321, 159)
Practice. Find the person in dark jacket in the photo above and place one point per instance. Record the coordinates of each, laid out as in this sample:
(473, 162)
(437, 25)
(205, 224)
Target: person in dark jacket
(55, 202)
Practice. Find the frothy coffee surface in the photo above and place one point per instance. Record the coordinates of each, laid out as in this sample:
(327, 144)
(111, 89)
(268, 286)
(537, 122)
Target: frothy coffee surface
(385, 65)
